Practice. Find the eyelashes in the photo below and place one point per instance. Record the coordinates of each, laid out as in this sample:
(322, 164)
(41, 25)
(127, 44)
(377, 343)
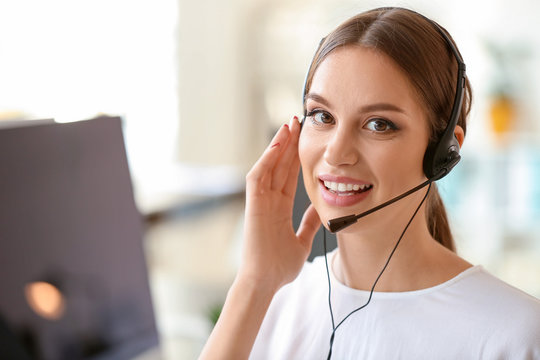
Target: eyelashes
(320, 117)
(378, 125)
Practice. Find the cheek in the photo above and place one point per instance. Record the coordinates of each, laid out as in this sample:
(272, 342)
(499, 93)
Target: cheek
(305, 151)
(309, 154)
(406, 159)
(311, 146)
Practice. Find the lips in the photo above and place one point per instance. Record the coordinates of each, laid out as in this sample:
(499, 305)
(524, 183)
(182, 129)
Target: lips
(342, 191)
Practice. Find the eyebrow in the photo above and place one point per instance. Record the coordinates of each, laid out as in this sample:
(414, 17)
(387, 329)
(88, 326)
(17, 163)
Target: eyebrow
(366, 108)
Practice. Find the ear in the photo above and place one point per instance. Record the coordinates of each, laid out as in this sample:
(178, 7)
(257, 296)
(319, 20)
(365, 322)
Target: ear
(459, 134)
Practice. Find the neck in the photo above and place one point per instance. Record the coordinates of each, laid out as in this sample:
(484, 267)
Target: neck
(417, 262)
(361, 257)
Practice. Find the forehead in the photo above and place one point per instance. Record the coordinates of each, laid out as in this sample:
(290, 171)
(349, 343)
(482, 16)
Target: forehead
(358, 75)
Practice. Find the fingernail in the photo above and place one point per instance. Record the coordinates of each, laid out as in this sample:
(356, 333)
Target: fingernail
(293, 119)
(273, 146)
(286, 125)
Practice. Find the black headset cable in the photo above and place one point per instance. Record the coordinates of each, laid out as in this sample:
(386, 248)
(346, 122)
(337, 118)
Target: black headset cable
(334, 327)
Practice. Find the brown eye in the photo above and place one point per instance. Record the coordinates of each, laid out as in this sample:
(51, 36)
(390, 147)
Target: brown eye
(321, 117)
(380, 125)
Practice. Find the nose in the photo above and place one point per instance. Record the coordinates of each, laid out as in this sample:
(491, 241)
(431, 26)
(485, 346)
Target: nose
(342, 147)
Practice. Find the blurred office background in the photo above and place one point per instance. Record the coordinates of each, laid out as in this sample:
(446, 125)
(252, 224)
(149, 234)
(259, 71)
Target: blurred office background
(202, 85)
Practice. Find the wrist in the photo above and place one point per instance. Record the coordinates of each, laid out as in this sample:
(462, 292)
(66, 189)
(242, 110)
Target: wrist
(253, 287)
(240, 320)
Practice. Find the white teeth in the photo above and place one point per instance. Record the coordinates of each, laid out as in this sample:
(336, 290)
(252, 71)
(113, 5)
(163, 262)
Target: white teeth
(342, 187)
(331, 185)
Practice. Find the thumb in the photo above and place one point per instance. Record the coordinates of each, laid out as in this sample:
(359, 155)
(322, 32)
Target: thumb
(309, 226)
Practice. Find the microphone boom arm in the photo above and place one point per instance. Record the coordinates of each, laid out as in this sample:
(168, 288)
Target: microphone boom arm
(335, 225)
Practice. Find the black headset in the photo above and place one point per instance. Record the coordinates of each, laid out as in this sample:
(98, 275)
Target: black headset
(440, 157)
(443, 153)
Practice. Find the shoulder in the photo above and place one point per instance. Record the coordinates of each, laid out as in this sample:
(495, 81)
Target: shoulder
(504, 316)
(300, 298)
(297, 311)
(483, 287)
(309, 281)
(479, 290)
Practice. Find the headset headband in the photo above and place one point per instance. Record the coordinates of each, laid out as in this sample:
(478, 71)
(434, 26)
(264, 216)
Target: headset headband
(441, 155)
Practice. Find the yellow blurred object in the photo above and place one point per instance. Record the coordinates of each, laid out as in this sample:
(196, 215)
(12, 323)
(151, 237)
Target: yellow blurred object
(502, 114)
(45, 299)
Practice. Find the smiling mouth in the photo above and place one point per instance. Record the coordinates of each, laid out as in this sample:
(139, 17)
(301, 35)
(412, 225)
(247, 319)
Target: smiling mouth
(343, 189)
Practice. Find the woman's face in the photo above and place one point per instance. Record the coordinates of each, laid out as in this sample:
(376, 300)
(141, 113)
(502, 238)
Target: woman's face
(364, 138)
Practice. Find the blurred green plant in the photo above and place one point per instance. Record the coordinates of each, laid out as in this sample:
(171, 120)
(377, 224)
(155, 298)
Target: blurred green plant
(214, 312)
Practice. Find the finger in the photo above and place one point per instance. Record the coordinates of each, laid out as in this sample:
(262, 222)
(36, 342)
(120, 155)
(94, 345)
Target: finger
(291, 183)
(309, 226)
(289, 188)
(287, 157)
(268, 159)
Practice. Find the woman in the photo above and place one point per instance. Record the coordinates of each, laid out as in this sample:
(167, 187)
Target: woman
(380, 91)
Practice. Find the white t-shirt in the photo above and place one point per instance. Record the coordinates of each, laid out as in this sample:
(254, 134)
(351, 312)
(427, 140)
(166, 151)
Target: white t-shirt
(472, 316)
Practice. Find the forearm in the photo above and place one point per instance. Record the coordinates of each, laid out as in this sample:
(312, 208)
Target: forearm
(273, 253)
(239, 322)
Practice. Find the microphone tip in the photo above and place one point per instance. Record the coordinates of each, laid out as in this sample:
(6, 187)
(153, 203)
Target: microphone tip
(335, 225)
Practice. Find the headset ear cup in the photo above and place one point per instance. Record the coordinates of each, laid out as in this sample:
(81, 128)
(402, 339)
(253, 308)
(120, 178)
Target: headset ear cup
(429, 157)
(441, 157)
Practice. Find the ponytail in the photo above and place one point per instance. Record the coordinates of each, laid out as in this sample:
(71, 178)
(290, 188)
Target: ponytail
(437, 219)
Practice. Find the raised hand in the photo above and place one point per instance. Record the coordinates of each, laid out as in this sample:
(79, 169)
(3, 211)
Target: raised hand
(273, 252)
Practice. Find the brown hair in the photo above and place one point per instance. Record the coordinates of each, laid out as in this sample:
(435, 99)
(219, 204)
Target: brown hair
(414, 43)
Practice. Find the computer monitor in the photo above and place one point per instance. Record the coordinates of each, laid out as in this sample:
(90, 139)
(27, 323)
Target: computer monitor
(68, 223)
